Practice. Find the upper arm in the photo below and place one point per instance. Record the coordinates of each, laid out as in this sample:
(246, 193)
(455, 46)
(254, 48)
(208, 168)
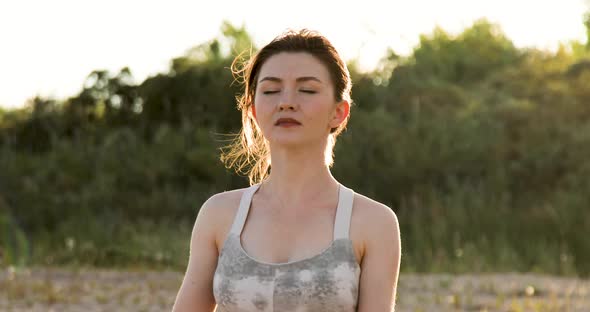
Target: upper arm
(196, 291)
(381, 261)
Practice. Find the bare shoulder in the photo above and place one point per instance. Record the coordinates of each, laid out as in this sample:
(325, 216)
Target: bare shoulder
(369, 214)
(222, 202)
(196, 291)
(219, 210)
(371, 222)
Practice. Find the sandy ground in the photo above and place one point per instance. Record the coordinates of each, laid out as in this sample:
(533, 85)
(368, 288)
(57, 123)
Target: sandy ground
(57, 289)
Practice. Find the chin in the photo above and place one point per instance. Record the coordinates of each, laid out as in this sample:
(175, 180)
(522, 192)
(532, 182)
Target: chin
(288, 140)
(288, 143)
(295, 141)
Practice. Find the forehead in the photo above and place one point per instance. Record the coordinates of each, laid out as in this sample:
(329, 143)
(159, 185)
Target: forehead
(290, 65)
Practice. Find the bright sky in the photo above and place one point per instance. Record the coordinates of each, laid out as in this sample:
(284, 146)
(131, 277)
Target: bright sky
(49, 47)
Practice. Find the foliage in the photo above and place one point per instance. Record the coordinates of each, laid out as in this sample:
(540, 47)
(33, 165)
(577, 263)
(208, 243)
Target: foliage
(470, 140)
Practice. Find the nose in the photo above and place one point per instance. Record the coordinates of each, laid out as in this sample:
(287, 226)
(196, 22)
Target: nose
(286, 106)
(287, 101)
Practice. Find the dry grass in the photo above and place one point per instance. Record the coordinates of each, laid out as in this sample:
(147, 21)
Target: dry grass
(59, 289)
(56, 289)
(492, 292)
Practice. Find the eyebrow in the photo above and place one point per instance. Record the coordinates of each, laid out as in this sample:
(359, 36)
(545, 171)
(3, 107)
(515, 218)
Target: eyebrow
(299, 79)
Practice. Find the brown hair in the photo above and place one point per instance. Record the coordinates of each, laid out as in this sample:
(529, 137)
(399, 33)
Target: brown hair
(249, 153)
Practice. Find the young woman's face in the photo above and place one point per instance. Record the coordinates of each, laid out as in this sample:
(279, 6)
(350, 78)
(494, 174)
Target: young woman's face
(294, 100)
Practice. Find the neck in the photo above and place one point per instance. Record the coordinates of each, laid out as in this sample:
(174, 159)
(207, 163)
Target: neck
(299, 175)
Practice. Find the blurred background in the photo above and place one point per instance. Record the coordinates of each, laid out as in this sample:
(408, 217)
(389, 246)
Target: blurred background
(112, 115)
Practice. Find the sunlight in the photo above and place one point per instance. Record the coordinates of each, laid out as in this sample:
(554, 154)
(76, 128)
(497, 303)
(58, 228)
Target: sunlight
(60, 42)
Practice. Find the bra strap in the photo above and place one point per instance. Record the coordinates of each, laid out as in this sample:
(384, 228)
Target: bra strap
(343, 212)
(240, 218)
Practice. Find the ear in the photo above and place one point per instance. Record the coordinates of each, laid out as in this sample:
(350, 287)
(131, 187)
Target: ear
(340, 113)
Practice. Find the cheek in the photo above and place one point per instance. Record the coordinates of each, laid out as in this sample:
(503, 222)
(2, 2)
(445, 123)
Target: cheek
(263, 109)
(319, 109)
(264, 114)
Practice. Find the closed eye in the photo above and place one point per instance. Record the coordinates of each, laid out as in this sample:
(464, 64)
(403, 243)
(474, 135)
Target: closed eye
(269, 92)
(308, 91)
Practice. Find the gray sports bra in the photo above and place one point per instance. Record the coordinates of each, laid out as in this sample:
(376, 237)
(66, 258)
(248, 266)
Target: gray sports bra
(324, 282)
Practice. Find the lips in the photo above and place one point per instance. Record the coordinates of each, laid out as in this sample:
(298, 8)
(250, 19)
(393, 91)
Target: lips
(287, 121)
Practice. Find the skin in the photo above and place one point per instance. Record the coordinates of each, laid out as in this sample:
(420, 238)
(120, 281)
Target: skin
(297, 203)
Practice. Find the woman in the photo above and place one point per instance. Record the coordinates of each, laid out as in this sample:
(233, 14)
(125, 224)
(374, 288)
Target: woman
(296, 239)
